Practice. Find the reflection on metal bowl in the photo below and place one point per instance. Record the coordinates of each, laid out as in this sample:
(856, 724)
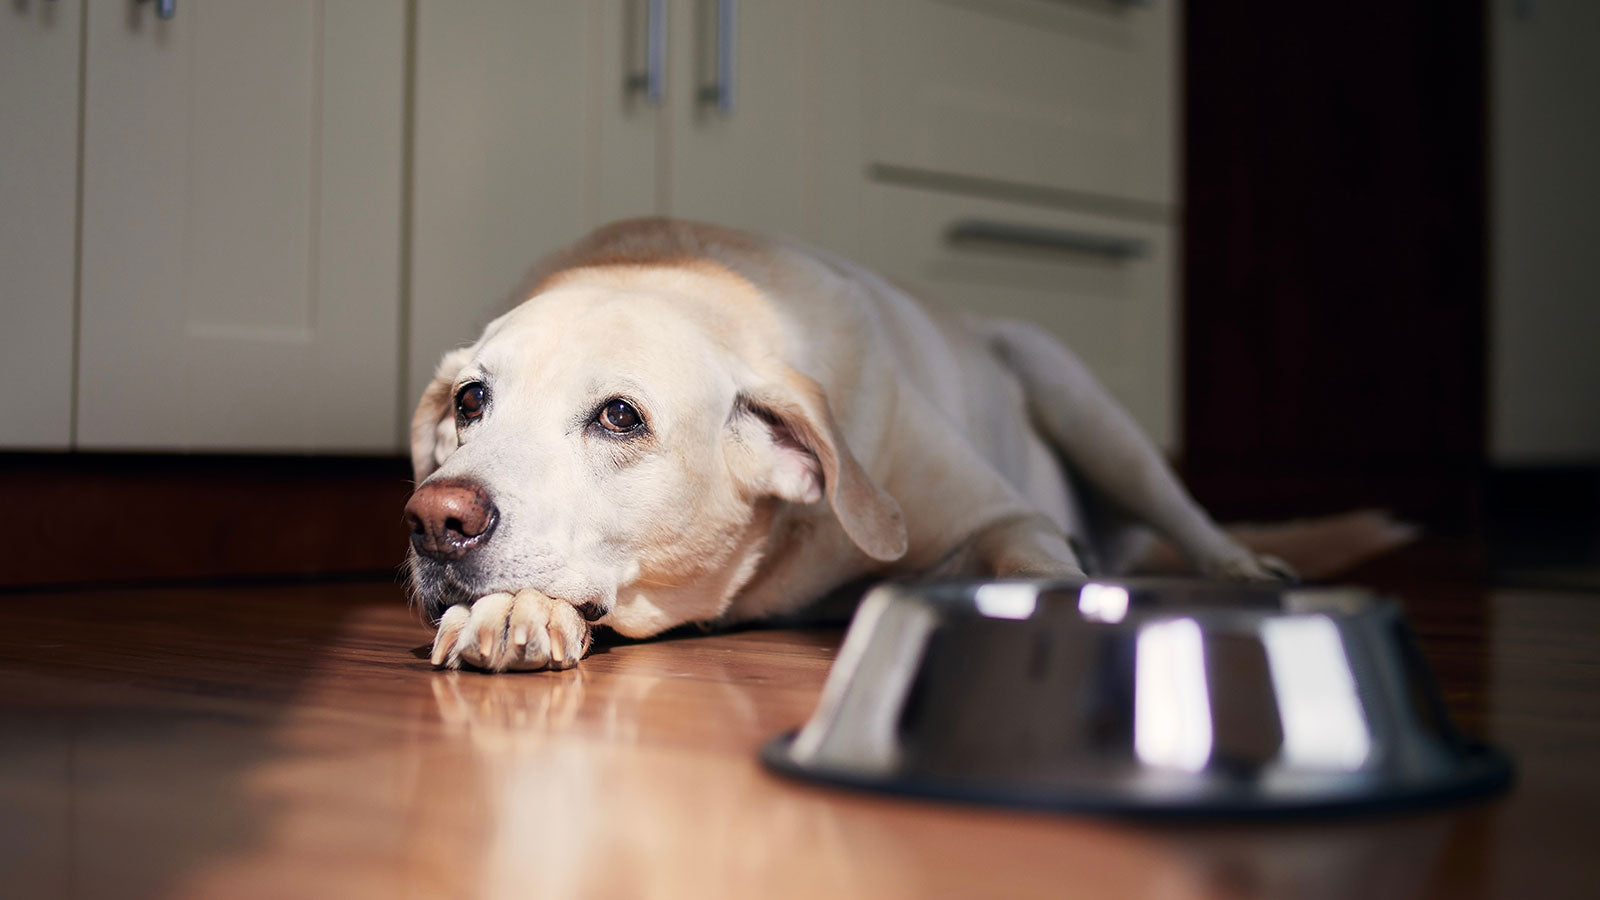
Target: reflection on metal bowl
(1137, 697)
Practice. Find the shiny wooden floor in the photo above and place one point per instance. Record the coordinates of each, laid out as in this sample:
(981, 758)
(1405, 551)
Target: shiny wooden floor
(291, 741)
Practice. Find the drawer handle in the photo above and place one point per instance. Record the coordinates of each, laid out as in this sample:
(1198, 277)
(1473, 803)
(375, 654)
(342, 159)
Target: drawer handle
(719, 93)
(1039, 237)
(165, 9)
(649, 82)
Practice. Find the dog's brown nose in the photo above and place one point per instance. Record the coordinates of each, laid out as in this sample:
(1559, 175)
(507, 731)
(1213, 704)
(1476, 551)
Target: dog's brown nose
(449, 518)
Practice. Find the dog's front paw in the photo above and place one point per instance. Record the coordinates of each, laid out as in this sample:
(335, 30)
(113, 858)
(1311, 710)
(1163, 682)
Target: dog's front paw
(525, 632)
(1248, 566)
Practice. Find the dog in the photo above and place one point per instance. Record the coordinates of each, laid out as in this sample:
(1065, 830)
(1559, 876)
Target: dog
(682, 423)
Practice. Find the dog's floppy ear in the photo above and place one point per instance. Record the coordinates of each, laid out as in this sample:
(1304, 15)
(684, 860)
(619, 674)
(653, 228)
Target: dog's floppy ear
(810, 459)
(433, 425)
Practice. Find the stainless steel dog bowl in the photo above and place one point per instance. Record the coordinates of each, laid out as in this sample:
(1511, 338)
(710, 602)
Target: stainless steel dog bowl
(1137, 697)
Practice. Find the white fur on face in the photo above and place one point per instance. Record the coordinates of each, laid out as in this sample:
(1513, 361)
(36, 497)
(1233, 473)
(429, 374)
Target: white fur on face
(656, 528)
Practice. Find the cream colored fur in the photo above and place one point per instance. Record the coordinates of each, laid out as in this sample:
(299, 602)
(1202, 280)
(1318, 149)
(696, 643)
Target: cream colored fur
(808, 425)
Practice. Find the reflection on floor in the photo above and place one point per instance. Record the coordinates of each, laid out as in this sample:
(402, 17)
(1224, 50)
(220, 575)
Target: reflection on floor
(291, 741)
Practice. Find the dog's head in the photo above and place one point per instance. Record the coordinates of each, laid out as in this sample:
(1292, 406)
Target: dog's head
(622, 441)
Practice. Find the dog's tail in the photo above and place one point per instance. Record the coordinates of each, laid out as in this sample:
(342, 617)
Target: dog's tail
(1317, 548)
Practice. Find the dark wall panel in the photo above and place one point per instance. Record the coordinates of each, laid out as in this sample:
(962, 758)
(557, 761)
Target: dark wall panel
(74, 519)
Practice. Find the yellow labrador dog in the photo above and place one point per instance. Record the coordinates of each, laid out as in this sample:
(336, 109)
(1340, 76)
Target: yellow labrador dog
(684, 423)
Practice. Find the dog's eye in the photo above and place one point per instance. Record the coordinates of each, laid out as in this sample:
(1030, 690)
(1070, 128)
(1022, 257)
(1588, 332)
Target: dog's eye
(469, 401)
(619, 417)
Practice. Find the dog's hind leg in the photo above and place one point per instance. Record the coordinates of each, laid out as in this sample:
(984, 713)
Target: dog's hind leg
(1106, 448)
(1020, 546)
(1025, 547)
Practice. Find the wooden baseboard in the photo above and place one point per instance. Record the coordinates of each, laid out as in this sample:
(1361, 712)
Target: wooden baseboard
(1552, 493)
(80, 518)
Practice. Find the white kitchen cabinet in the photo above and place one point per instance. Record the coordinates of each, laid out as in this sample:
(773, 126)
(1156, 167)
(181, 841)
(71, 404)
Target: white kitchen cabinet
(1104, 285)
(1015, 158)
(1071, 95)
(241, 230)
(508, 160)
(875, 128)
(1544, 316)
(744, 129)
(39, 65)
(535, 123)
(222, 232)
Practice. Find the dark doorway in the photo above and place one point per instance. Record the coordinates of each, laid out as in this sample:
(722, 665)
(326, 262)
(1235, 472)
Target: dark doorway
(1335, 264)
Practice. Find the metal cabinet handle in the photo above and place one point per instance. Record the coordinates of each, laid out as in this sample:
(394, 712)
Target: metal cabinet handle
(165, 9)
(650, 81)
(719, 93)
(1041, 237)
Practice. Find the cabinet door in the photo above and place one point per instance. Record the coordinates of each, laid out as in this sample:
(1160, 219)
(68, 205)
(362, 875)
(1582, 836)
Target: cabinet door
(626, 150)
(241, 226)
(527, 135)
(39, 54)
(744, 161)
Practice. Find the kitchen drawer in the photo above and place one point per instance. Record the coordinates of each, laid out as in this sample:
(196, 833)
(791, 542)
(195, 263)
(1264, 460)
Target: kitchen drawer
(1103, 285)
(1074, 95)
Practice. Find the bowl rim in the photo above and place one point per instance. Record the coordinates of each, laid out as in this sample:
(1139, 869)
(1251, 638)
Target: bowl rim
(961, 598)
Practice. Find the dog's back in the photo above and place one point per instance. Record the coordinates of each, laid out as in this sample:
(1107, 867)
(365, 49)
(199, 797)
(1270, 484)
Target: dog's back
(948, 358)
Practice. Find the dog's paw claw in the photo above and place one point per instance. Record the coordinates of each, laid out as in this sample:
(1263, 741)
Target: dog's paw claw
(1278, 569)
(451, 626)
(525, 632)
(1253, 567)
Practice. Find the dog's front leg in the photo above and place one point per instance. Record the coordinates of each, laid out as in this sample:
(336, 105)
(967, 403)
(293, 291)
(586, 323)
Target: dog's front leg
(525, 631)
